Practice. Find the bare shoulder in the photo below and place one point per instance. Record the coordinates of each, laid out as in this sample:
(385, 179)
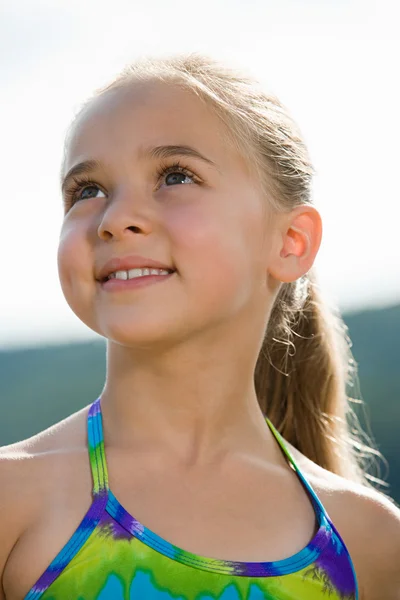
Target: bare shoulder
(29, 472)
(24, 464)
(24, 460)
(369, 523)
(14, 511)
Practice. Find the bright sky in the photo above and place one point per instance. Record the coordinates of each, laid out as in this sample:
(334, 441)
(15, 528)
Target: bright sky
(333, 63)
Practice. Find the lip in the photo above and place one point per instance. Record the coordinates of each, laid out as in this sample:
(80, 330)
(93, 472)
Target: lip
(129, 262)
(125, 285)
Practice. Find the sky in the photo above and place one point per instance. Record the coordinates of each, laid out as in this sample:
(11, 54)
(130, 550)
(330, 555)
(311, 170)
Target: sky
(334, 64)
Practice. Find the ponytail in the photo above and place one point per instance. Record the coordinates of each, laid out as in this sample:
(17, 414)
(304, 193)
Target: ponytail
(301, 376)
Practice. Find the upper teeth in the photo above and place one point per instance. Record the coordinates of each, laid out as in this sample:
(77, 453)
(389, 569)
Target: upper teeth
(137, 273)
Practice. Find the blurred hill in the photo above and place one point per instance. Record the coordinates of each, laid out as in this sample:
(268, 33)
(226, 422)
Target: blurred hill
(40, 386)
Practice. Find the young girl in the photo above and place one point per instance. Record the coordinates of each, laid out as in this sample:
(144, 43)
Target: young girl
(217, 461)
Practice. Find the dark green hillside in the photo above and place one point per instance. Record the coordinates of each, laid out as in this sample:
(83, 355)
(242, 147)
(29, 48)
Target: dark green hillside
(376, 349)
(42, 385)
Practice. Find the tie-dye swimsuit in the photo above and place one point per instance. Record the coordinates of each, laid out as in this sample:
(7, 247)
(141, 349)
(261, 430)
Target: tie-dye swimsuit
(112, 556)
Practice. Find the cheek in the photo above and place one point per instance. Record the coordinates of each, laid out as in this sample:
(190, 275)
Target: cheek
(220, 230)
(72, 259)
(215, 251)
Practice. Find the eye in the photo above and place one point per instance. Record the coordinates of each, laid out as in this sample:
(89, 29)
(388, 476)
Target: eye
(177, 177)
(88, 191)
(83, 189)
(176, 174)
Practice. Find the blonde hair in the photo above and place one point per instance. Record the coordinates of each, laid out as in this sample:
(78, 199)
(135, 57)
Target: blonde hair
(305, 362)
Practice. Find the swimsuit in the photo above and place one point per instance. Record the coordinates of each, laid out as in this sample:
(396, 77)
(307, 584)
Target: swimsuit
(112, 556)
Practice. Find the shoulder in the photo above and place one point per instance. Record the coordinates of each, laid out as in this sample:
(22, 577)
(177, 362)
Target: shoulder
(369, 523)
(377, 527)
(16, 503)
(30, 470)
(24, 462)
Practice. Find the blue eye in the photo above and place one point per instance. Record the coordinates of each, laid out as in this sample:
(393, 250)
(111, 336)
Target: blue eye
(177, 177)
(176, 174)
(83, 189)
(89, 187)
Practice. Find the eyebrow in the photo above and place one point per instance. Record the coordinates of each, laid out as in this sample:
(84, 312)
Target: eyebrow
(170, 151)
(160, 152)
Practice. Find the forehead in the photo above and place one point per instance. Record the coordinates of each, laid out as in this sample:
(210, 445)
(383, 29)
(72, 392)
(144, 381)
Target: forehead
(123, 120)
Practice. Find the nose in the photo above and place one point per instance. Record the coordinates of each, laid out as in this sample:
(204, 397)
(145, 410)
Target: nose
(125, 213)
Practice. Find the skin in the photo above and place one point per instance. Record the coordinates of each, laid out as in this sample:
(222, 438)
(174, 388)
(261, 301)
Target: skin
(179, 405)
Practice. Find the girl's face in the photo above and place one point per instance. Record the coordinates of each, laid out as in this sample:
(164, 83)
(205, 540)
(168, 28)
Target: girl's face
(197, 210)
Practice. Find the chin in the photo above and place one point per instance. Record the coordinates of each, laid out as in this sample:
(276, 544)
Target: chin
(142, 335)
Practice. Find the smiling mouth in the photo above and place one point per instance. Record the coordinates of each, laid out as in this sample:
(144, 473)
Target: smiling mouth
(136, 274)
(117, 283)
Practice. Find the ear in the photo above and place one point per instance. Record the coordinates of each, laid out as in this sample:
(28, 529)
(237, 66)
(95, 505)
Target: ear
(299, 235)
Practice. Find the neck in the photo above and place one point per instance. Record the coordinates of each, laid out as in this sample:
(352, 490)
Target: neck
(193, 406)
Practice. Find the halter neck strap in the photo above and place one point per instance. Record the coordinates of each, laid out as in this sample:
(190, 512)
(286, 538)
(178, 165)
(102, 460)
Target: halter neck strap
(96, 449)
(98, 462)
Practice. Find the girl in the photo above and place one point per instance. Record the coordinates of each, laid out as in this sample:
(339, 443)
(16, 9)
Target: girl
(220, 464)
